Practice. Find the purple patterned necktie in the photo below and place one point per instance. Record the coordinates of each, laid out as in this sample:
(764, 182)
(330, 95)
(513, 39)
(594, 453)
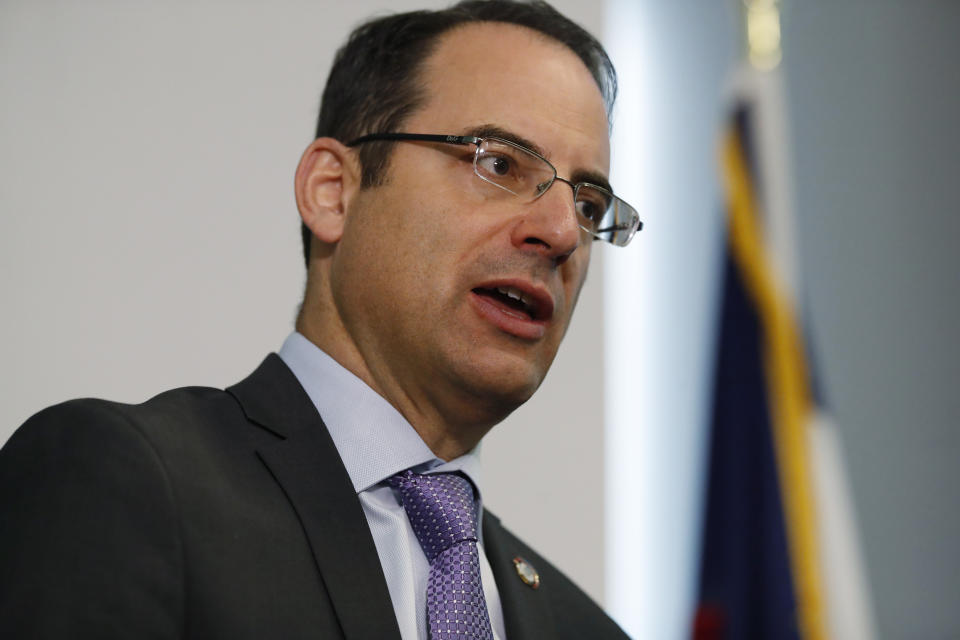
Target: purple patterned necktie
(443, 515)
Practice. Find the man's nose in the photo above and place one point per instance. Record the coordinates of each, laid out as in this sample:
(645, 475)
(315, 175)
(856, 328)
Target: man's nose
(548, 225)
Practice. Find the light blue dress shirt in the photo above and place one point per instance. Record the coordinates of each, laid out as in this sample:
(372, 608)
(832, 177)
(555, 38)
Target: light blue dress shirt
(376, 442)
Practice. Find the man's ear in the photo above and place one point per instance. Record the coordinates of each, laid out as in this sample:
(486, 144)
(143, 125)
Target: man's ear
(326, 176)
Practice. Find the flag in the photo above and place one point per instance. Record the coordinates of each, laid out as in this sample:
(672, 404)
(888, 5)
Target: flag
(779, 558)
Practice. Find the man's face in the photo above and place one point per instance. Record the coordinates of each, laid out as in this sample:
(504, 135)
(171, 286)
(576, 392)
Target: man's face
(417, 271)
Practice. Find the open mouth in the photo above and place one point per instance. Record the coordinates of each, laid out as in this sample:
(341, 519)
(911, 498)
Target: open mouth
(513, 301)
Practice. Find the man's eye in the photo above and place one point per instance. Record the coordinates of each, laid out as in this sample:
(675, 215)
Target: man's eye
(587, 210)
(590, 210)
(592, 204)
(496, 165)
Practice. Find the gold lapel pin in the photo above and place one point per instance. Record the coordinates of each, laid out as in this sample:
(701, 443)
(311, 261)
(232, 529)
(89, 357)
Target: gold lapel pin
(527, 572)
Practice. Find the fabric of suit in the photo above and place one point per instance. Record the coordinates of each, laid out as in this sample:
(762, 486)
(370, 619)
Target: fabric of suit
(205, 513)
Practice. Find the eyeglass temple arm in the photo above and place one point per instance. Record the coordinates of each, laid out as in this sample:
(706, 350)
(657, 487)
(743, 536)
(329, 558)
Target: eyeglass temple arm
(619, 227)
(424, 137)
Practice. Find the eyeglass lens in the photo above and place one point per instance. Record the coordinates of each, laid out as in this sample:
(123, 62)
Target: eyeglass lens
(518, 171)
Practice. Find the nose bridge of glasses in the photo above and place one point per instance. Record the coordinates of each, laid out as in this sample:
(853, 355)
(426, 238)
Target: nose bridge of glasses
(575, 192)
(567, 204)
(544, 185)
(573, 187)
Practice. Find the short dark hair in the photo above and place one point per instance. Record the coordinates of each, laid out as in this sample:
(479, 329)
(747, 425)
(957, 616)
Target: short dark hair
(373, 83)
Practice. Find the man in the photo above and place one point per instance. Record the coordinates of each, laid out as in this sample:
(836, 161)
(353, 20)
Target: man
(448, 206)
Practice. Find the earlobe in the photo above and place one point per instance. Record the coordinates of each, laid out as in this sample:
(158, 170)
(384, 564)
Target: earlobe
(322, 181)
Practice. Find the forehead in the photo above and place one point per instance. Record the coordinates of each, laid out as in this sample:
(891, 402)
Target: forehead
(517, 79)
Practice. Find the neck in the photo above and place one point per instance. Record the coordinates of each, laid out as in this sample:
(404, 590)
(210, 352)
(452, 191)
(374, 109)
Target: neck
(450, 424)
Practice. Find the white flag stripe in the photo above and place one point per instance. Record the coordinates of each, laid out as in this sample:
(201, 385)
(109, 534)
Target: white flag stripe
(850, 615)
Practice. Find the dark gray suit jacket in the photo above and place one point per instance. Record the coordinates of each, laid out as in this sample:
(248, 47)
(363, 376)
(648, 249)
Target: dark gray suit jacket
(205, 513)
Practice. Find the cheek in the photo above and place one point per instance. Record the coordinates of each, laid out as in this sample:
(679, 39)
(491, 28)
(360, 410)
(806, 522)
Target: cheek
(576, 274)
(423, 248)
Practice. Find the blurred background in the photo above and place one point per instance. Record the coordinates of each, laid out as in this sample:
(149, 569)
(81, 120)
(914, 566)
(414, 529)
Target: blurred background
(149, 239)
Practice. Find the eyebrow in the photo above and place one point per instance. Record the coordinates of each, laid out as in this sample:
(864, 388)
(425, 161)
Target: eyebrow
(493, 131)
(594, 178)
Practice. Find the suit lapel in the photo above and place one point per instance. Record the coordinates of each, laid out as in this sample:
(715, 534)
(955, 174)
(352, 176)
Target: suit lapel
(526, 614)
(307, 466)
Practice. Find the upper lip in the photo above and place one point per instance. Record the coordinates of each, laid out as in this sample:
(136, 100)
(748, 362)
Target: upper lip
(536, 298)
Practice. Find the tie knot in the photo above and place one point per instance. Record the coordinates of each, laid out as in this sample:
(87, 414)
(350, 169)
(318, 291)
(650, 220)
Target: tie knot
(440, 508)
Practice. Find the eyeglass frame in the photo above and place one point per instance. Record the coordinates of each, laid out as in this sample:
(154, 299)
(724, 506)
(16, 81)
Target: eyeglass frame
(478, 141)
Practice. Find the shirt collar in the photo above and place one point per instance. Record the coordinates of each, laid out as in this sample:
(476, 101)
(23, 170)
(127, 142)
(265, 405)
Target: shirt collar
(374, 440)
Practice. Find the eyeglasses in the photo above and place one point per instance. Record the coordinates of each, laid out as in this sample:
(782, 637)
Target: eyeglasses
(527, 175)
